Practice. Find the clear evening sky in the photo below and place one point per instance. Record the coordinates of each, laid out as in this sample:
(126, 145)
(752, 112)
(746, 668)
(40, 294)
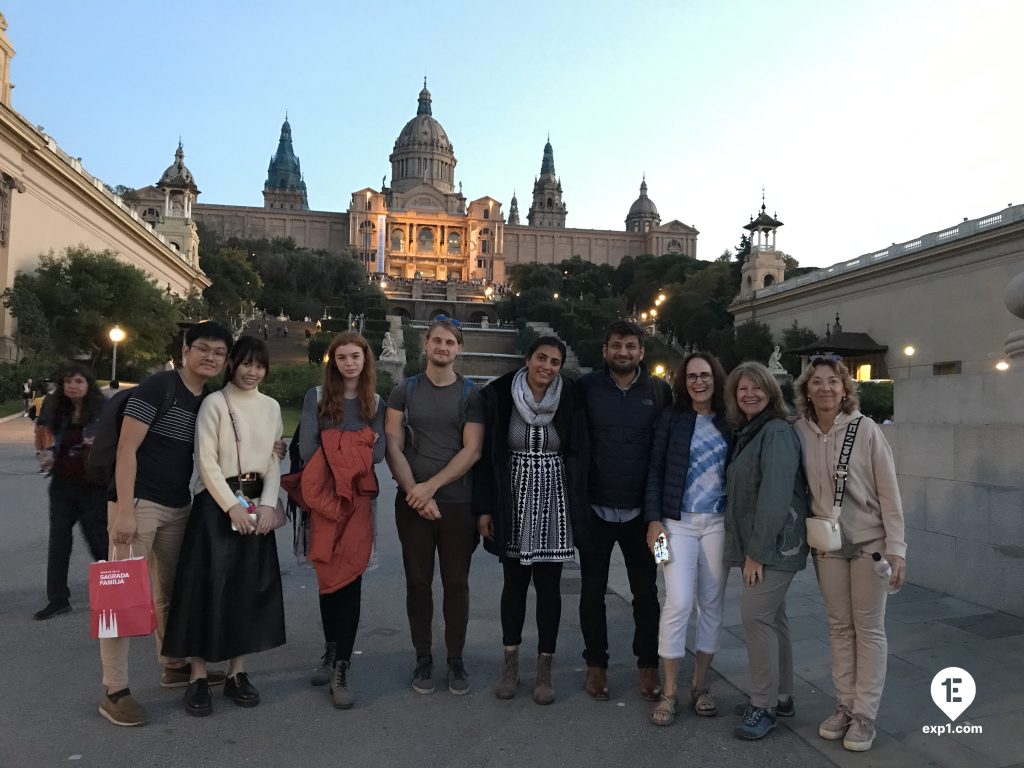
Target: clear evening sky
(868, 122)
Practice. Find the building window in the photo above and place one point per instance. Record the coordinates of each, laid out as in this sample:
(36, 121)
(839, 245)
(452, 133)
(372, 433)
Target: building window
(487, 213)
(483, 246)
(549, 202)
(454, 243)
(425, 240)
(946, 369)
(479, 263)
(397, 240)
(770, 280)
(864, 372)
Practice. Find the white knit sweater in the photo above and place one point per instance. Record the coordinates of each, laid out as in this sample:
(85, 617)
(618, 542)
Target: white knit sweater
(258, 419)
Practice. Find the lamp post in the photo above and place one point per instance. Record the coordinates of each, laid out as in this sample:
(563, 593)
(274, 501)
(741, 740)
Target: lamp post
(116, 336)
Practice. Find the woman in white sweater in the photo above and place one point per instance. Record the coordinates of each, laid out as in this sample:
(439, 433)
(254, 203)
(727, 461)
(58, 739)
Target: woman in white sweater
(871, 521)
(227, 598)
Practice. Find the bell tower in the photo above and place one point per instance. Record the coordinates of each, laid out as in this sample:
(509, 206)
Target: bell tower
(547, 210)
(763, 266)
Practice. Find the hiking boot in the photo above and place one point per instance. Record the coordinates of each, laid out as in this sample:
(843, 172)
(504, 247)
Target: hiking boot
(785, 708)
(179, 677)
(509, 681)
(198, 701)
(597, 683)
(650, 684)
(121, 708)
(543, 689)
(458, 682)
(241, 691)
(423, 676)
(341, 694)
(860, 735)
(757, 722)
(322, 674)
(834, 727)
(51, 610)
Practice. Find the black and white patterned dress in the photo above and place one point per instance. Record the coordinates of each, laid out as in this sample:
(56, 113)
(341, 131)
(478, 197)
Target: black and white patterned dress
(541, 532)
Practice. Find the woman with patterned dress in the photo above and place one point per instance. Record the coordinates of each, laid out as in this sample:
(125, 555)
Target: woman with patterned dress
(529, 494)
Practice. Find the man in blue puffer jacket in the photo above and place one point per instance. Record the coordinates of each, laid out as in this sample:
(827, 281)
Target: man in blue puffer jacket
(623, 402)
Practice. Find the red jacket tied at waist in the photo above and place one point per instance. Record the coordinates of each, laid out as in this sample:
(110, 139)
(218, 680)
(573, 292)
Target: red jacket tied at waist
(337, 487)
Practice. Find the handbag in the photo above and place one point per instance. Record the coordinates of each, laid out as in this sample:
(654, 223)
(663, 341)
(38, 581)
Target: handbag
(120, 598)
(823, 533)
(280, 517)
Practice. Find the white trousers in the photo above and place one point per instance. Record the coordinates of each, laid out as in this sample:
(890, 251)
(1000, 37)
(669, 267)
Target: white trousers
(695, 573)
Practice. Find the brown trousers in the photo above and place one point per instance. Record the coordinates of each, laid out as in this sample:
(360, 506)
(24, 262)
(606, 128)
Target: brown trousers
(766, 630)
(453, 538)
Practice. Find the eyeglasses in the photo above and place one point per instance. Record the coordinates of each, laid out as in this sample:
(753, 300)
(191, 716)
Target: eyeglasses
(449, 320)
(705, 376)
(816, 359)
(205, 351)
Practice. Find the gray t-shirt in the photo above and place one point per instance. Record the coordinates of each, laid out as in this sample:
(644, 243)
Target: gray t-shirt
(437, 416)
(310, 426)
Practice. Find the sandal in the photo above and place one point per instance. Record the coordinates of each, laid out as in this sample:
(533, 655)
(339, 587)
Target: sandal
(664, 712)
(703, 702)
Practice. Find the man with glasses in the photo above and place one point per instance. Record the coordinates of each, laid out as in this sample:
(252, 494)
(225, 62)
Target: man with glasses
(623, 404)
(435, 432)
(151, 499)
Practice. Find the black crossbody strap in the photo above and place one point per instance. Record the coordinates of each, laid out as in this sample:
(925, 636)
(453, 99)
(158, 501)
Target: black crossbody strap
(842, 468)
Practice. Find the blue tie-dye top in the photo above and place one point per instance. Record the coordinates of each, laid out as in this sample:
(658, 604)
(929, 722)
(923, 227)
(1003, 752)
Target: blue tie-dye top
(705, 478)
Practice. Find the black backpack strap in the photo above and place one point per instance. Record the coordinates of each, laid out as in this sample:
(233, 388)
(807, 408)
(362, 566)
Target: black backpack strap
(842, 468)
(170, 390)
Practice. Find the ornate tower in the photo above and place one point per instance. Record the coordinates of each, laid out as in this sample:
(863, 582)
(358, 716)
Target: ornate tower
(643, 214)
(180, 193)
(547, 210)
(285, 188)
(423, 154)
(763, 266)
(513, 211)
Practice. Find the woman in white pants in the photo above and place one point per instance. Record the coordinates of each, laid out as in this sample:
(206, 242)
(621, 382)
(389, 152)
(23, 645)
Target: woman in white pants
(685, 502)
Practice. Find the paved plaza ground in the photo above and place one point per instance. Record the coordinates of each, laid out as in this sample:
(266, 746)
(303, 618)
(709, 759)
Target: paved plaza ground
(52, 678)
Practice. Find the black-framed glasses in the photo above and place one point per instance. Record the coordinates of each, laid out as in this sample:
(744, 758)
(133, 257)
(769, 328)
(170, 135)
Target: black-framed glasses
(446, 319)
(704, 376)
(816, 359)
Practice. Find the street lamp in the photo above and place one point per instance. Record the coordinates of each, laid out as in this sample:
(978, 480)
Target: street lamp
(116, 336)
(554, 295)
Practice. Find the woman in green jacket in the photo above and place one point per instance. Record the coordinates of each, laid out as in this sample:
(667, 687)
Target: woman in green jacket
(765, 535)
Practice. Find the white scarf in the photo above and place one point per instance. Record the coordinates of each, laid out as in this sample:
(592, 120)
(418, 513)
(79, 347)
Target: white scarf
(533, 413)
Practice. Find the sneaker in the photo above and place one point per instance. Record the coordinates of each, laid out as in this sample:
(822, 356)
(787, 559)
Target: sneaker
(458, 682)
(423, 677)
(785, 708)
(322, 674)
(341, 694)
(241, 691)
(757, 722)
(179, 677)
(834, 727)
(121, 708)
(51, 610)
(198, 701)
(860, 735)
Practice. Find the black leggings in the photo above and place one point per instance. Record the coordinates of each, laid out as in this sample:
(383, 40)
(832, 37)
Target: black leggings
(339, 614)
(547, 584)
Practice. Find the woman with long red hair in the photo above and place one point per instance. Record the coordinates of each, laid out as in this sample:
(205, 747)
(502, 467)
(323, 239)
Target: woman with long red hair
(346, 402)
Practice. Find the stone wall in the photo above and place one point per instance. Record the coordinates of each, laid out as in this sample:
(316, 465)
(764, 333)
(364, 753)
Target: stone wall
(959, 447)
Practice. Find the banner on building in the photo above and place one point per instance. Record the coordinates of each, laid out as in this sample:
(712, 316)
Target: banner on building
(381, 225)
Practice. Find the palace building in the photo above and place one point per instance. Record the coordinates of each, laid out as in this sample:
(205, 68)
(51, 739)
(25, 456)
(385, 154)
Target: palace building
(423, 226)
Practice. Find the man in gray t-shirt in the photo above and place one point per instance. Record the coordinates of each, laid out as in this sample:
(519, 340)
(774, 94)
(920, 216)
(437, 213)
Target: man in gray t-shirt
(435, 432)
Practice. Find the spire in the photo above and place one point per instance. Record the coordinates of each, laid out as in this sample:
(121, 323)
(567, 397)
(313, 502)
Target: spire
(643, 186)
(547, 166)
(513, 213)
(424, 105)
(284, 174)
(179, 153)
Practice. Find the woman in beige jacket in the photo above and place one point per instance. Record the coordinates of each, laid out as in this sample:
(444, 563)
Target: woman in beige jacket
(871, 520)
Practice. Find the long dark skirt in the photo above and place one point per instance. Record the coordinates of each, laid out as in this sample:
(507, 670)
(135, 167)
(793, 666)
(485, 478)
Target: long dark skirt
(227, 597)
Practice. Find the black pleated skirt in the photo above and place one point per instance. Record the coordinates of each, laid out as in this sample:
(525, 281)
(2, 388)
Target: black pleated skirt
(227, 597)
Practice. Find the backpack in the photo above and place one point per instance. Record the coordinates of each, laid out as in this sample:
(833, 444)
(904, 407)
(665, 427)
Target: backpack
(103, 453)
(410, 387)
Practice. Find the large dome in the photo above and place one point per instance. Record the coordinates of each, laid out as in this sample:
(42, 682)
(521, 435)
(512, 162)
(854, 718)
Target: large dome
(423, 153)
(643, 206)
(177, 174)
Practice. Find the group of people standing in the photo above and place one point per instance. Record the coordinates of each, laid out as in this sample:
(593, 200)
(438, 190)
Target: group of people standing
(709, 474)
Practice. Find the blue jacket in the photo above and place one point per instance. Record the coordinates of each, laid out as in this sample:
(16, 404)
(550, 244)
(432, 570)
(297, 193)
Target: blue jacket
(621, 428)
(670, 461)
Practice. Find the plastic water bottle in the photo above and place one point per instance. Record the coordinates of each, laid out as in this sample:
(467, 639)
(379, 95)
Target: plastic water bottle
(884, 571)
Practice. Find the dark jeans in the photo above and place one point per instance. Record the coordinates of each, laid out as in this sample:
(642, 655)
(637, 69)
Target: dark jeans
(643, 583)
(453, 537)
(73, 502)
(547, 584)
(339, 613)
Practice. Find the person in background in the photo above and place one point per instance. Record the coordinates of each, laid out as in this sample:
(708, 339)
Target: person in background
(871, 521)
(765, 535)
(74, 498)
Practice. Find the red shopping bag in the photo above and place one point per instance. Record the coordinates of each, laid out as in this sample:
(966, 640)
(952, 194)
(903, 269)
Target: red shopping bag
(120, 599)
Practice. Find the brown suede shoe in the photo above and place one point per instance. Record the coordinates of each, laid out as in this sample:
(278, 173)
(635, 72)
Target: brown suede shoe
(597, 683)
(650, 684)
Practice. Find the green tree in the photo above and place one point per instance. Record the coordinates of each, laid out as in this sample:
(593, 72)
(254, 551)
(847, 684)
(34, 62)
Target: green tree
(753, 342)
(234, 288)
(80, 295)
(794, 337)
